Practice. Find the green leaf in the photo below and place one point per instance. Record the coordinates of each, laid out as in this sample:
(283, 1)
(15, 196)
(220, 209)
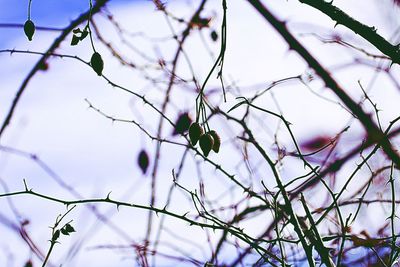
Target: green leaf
(75, 40)
(69, 228)
(64, 231)
(83, 35)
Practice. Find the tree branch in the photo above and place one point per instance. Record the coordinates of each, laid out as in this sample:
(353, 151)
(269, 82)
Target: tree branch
(368, 33)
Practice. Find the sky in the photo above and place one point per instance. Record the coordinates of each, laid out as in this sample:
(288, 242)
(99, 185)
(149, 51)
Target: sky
(96, 156)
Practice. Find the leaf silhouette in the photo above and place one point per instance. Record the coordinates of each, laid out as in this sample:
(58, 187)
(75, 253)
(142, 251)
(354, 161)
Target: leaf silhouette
(182, 124)
(143, 161)
(97, 63)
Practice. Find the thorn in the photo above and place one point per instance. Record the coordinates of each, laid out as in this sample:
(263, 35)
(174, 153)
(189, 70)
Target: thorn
(26, 187)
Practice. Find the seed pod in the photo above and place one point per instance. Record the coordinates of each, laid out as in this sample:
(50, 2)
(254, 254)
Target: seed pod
(29, 29)
(206, 143)
(195, 131)
(182, 124)
(143, 161)
(97, 63)
(214, 36)
(217, 141)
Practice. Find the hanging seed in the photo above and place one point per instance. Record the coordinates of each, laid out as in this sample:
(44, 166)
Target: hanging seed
(97, 63)
(206, 143)
(195, 131)
(217, 141)
(182, 124)
(214, 36)
(29, 29)
(143, 161)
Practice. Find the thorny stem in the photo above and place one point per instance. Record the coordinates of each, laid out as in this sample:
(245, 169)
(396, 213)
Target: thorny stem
(392, 217)
(373, 132)
(368, 33)
(53, 241)
(171, 83)
(315, 237)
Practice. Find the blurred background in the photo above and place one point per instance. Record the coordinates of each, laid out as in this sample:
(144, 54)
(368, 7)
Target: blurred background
(75, 136)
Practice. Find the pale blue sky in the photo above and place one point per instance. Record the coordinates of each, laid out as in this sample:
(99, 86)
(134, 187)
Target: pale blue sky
(96, 156)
